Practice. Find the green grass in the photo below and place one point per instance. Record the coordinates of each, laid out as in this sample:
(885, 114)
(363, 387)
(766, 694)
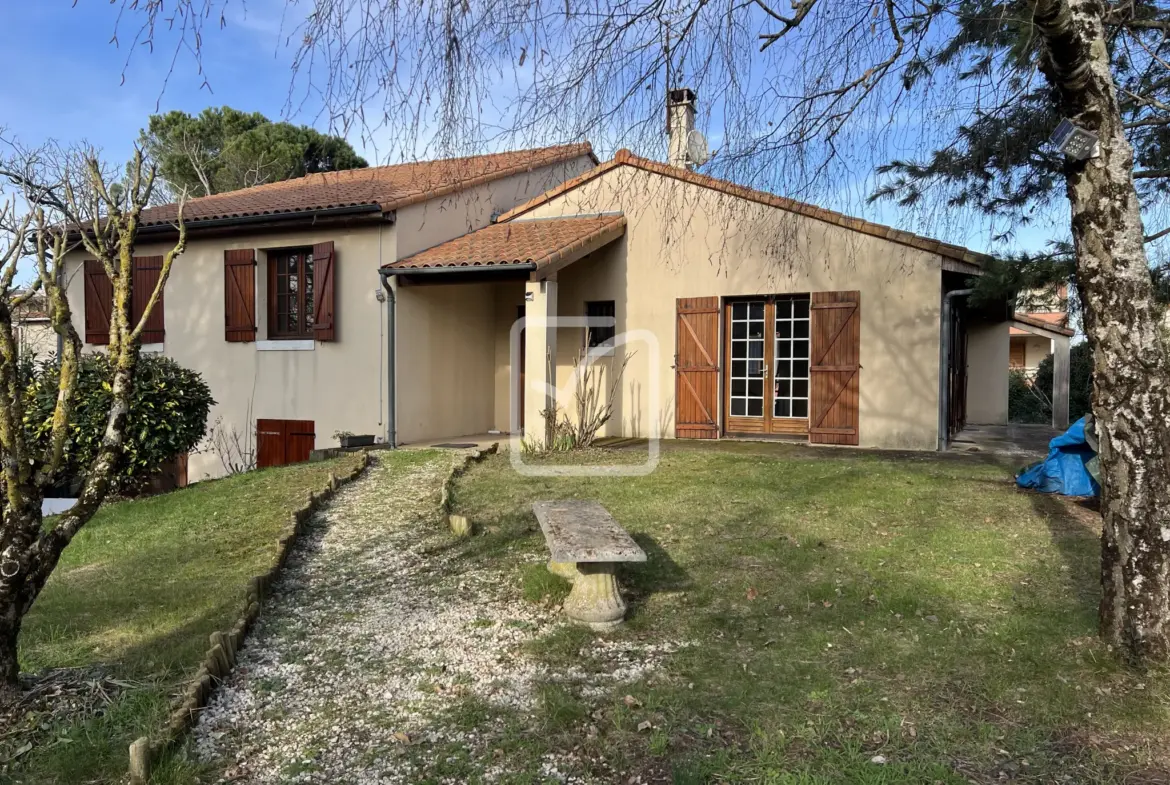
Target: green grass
(139, 590)
(842, 605)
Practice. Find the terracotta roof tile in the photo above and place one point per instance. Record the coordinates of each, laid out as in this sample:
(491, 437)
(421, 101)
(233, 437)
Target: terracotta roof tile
(626, 158)
(542, 241)
(1055, 322)
(389, 187)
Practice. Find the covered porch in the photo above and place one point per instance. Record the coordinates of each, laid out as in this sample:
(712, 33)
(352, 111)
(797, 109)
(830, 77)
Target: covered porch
(476, 323)
(1026, 324)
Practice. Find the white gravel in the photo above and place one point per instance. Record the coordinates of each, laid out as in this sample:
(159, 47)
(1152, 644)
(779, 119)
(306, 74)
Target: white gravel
(367, 639)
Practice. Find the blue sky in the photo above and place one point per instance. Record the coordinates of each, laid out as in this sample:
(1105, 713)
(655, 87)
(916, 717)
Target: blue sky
(67, 81)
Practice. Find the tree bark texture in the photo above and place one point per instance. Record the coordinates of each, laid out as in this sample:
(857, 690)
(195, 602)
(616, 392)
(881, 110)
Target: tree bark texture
(1131, 386)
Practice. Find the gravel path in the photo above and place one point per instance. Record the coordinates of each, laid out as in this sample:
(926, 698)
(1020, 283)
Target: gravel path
(368, 641)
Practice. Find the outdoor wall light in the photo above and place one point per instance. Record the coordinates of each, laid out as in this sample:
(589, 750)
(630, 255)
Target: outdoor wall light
(1074, 141)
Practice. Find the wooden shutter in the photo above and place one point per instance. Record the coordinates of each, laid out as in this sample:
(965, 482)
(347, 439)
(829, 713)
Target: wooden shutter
(269, 443)
(280, 442)
(239, 295)
(324, 328)
(99, 299)
(300, 441)
(834, 374)
(1017, 353)
(147, 270)
(696, 368)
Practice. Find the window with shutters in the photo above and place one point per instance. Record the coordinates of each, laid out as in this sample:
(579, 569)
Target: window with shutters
(290, 293)
(99, 295)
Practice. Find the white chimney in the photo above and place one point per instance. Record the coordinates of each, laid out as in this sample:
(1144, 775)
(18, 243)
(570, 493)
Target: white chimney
(680, 121)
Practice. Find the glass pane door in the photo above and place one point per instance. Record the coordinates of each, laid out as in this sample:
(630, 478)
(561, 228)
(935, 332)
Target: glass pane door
(749, 369)
(790, 382)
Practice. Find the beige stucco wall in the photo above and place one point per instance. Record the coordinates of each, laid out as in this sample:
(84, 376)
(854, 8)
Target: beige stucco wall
(37, 337)
(336, 384)
(1036, 348)
(446, 361)
(452, 339)
(445, 344)
(508, 298)
(686, 241)
(987, 378)
(427, 224)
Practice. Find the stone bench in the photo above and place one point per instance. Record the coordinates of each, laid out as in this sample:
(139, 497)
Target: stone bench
(585, 544)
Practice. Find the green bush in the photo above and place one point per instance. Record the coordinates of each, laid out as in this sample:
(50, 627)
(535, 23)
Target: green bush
(168, 416)
(1026, 403)
(1030, 402)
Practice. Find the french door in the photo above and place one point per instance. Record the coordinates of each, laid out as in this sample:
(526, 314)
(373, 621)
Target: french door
(767, 350)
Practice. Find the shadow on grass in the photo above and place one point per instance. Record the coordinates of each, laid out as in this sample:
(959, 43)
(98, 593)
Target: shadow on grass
(920, 609)
(1075, 528)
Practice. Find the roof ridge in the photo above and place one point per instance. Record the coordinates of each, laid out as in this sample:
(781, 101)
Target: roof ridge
(625, 157)
(479, 169)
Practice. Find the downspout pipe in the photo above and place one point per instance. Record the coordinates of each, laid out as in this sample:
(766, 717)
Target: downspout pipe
(391, 422)
(945, 350)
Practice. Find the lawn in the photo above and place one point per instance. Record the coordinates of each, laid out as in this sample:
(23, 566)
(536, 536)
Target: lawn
(138, 592)
(839, 616)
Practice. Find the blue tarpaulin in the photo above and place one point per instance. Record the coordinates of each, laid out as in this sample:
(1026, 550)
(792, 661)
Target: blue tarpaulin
(1065, 470)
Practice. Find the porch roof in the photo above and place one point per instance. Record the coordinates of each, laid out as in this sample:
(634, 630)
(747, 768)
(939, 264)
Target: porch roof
(541, 245)
(1050, 322)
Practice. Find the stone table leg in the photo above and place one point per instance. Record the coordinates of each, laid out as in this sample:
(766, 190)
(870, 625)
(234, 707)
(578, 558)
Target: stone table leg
(565, 569)
(595, 599)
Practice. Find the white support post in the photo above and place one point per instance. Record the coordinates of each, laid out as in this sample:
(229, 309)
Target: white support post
(540, 359)
(1060, 374)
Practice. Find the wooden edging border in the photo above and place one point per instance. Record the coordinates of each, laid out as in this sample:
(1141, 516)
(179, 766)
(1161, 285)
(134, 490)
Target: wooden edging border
(457, 471)
(221, 656)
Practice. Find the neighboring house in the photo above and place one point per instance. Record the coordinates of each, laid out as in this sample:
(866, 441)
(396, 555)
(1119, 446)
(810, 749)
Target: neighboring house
(1030, 341)
(32, 331)
(384, 301)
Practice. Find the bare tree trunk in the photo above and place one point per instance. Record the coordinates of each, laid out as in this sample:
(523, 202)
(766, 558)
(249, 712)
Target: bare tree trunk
(20, 583)
(1131, 400)
(9, 662)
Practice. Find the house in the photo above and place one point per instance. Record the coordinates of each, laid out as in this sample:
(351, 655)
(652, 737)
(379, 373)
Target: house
(278, 302)
(32, 331)
(449, 298)
(1034, 336)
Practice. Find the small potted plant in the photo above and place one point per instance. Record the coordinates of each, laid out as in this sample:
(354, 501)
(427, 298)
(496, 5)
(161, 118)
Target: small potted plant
(348, 439)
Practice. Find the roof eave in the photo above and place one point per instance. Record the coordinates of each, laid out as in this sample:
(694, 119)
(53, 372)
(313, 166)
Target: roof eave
(464, 267)
(626, 158)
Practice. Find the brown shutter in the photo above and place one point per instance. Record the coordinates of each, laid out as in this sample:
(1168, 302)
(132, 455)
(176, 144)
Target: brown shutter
(834, 375)
(270, 438)
(323, 306)
(239, 295)
(147, 270)
(302, 438)
(99, 298)
(696, 368)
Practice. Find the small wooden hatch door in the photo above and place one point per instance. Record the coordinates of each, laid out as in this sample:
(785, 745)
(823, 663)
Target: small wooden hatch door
(834, 376)
(279, 442)
(696, 368)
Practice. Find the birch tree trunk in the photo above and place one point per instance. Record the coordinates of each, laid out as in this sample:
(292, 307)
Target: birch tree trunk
(1131, 397)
